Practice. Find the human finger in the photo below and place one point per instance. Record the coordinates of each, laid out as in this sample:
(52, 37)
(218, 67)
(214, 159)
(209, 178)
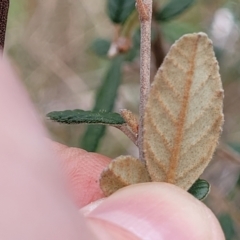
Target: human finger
(82, 170)
(34, 202)
(153, 211)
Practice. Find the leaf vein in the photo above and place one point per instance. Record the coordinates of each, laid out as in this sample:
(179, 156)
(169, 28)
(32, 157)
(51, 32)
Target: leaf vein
(152, 155)
(201, 137)
(165, 141)
(204, 82)
(170, 85)
(166, 110)
(212, 103)
(181, 53)
(176, 65)
(199, 163)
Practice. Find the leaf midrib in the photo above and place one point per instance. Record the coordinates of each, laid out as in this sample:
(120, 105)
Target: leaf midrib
(175, 153)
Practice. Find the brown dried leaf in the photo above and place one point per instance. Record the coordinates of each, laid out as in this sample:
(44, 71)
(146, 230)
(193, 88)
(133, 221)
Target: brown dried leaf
(121, 172)
(183, 117)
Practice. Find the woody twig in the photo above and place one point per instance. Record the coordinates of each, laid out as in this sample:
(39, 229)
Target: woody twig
(144, 8)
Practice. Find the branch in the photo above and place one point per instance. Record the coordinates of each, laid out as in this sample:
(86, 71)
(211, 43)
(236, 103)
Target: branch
(4, 5)
(145, 15)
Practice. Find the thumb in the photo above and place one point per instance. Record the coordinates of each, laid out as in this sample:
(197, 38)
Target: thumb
(153, 211)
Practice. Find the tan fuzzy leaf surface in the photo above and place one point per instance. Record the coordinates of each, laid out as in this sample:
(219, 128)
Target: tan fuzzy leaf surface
(130, 119)
(121, 172)
(183, 117)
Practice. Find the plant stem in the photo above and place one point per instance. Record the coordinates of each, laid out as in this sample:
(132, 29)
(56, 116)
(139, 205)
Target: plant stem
(4, 5)
(128, 133)
(145, 15)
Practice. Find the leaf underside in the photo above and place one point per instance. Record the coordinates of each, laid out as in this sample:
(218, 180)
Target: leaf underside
(78, 116)
(200, 189)
(183, 116)
(121, 172)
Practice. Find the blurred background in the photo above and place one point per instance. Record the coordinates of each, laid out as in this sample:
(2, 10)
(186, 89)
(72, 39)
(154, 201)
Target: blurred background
(59, 50)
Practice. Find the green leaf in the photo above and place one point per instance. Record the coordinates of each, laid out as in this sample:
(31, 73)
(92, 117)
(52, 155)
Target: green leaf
(80, 116)
(92, 137)
(172, 9)
(227, 226)
(100, 47)
(107, 93)
(134, 51)
(120, 10)
(105, 100)
(175, 29)
(200, 189)
(235, 146)
(238, 181)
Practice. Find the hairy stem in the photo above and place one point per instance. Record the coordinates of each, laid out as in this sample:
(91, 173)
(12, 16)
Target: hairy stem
(145, 15)
(128, 133)
(4, 5)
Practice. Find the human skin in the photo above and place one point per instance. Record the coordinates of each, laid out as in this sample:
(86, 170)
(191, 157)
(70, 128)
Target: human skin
(51, 191)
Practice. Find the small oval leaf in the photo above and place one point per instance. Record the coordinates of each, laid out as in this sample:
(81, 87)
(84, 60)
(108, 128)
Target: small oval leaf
(120, 10)
(100, 47)
(200, 189)
(172, 9)
(121, 172)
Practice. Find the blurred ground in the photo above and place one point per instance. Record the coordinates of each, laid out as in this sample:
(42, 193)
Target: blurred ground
(49, 45)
